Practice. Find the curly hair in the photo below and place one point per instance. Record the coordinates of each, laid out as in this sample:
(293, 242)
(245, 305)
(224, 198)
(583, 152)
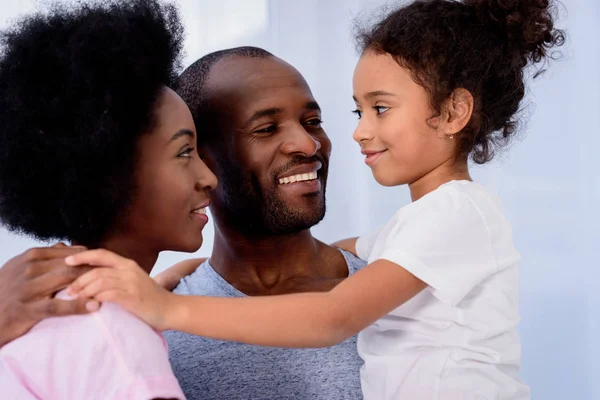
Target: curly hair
(482, 46)
(78, 87)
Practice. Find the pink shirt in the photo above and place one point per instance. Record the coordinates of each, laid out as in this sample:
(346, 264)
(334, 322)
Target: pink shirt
(109, 354)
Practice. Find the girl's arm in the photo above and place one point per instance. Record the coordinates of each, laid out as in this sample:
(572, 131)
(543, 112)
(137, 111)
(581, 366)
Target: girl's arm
(294, 320)
(169, 278)
(299, 320)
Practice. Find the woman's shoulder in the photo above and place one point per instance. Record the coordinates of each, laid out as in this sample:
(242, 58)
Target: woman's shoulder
(108, 330)
(72, 349)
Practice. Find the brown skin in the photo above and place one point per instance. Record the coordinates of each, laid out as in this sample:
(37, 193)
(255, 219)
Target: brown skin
(316, 319)
(277, 264)
(171, 181)
(169, 278)
(403, 139)
(416, 149)
(28, 283)
(270, 264)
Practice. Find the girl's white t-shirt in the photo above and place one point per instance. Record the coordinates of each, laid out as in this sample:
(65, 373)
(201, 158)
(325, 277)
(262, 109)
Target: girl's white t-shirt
(457, 339)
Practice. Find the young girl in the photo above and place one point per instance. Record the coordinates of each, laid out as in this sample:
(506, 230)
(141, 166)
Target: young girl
(438, 82)
(97, 150)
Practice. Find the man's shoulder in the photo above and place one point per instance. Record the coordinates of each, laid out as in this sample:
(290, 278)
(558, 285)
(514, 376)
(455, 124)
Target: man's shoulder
(205, 281)
(354, 263)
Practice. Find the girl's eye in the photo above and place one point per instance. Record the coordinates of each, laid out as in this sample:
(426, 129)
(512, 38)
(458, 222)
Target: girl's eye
(358, 113)
(381, 109)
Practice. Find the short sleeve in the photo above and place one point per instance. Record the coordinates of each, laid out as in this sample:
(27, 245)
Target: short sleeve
(445, 242)
(364, 244)
(109, 354)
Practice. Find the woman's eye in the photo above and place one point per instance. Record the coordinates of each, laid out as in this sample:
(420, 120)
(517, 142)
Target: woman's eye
(358, 113)
(187, 152)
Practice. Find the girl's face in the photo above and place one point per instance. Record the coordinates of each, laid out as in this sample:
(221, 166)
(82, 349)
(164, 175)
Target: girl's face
(172, 182)
(401, 141)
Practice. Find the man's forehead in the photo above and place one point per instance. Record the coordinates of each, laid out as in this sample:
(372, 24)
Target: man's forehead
(256, 83)
(240, 74)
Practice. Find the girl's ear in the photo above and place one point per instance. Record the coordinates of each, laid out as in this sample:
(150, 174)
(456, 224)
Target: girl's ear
(456, 112)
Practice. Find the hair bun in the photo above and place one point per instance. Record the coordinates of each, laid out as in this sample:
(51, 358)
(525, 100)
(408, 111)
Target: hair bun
(528, 24)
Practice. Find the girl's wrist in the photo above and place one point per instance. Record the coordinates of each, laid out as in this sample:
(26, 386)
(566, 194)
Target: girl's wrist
(173, 312)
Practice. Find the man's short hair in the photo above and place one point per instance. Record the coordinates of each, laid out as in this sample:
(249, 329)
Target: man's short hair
(191, 86)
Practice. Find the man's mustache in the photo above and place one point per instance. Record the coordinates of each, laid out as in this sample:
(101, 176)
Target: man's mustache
(297, 161)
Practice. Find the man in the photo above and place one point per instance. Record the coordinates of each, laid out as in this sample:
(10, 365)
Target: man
(259, 130)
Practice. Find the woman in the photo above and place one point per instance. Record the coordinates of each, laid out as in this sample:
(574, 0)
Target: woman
(98, 151)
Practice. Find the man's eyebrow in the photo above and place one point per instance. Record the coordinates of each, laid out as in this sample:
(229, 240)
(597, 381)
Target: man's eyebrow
(267, 112)
(313, 105)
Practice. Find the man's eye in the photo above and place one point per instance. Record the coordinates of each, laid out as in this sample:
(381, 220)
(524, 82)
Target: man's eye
(268, 129)
(314, 122)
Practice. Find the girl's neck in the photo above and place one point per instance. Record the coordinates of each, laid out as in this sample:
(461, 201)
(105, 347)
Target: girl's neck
(451, 170)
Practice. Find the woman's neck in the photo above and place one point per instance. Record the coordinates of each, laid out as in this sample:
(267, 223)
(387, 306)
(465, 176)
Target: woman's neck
(131, 249)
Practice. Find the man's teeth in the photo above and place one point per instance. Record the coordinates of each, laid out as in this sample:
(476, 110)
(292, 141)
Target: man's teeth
(298, 178)
(199, 211)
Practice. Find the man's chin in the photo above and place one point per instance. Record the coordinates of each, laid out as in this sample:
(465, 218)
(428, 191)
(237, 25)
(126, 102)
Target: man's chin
(295, 216)
(309, 215)
(307, 204)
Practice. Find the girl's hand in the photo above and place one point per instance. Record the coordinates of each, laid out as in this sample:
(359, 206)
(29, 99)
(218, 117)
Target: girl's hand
(122, 281)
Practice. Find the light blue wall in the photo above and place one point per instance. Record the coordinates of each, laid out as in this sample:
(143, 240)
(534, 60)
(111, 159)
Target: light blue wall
(548, 180)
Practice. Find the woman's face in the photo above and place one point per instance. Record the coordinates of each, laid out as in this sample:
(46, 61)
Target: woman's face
(168, 211)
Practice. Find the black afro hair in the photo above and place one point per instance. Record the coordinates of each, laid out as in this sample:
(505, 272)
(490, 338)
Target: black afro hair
(78, 86)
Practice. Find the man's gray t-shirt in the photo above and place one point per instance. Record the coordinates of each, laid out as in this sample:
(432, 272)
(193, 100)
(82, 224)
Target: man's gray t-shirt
(214, 369)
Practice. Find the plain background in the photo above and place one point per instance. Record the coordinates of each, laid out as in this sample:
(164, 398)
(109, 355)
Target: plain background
(548, 179)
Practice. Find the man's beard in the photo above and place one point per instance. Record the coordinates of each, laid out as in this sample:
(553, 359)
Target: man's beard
(258, 211)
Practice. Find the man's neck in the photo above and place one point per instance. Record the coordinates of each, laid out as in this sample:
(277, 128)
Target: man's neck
(275, 264)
